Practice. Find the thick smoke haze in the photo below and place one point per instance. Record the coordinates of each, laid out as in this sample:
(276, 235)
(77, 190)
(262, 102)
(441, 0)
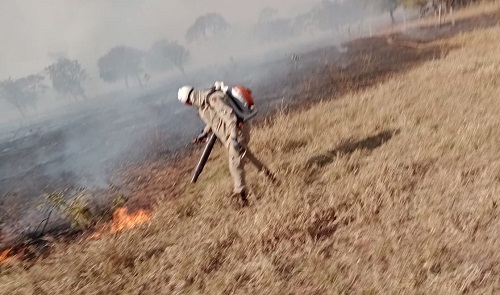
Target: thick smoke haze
(34, 32)
(69, 140)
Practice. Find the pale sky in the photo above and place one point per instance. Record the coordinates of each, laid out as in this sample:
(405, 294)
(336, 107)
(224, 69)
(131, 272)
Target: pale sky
(87, 29)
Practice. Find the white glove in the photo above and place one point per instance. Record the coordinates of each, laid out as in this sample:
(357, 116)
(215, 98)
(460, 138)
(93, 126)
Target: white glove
(219, 86)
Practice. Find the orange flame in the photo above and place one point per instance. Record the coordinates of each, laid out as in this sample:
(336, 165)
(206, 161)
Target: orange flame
(122, 220)
(4, 255)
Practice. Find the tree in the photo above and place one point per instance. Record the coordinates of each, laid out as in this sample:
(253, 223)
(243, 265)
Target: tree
(120, 63)
(442, 6)
(208, 26)
(67, 77)
(392, 5)
(22, 93)
(388, 6)
(165, 55)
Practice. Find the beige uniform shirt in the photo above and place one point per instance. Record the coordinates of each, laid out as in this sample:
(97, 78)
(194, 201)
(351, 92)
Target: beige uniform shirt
(218, 116)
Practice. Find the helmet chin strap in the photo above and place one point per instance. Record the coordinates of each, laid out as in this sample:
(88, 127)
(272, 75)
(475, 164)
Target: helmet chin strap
(189, 102)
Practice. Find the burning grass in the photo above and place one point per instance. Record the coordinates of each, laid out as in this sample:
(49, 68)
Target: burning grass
(40, 245)
(122, 220)
(4, 255)
(388, 190)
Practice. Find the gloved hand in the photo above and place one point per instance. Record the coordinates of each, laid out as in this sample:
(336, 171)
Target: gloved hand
(237, 145)
(219, 86)
(201, 138)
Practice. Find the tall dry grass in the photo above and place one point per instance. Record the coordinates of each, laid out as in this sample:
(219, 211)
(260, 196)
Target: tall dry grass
(392, 190)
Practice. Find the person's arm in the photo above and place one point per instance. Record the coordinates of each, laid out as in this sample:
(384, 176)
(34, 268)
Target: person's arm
(207, 129)
(202, 137)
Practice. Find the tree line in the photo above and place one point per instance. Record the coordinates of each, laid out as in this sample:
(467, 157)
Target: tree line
(422, 5)
(67, 76)
(132, 65)
(121, 63)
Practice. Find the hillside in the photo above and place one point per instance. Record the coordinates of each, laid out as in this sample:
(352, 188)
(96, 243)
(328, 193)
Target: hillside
(389, 185)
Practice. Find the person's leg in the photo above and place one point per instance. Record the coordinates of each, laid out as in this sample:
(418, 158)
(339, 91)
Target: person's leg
(236, 168)
(251, 157)
(248, 155)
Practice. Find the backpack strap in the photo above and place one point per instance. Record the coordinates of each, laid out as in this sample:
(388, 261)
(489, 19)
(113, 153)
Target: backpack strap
(241, 116)
(212, 91)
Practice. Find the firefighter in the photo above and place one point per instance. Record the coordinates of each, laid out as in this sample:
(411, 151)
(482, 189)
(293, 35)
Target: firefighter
(220, 118)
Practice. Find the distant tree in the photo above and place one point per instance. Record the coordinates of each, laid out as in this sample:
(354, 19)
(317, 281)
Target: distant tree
(208, 26)
(386, 6)
(120, 63)
(165, 55)
(22, 93)
(391, 5)
(443, 7)
(67, 77)
(35, 84)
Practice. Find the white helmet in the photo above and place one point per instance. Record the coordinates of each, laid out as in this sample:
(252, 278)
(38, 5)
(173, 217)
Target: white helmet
(184, 93)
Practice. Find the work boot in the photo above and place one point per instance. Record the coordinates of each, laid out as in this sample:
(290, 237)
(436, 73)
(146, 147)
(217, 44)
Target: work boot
(244, 197)
(241, 197)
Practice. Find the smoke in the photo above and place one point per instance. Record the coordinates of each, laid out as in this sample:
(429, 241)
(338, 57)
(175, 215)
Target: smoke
(35, 33)
(86, 30)
(67, 143)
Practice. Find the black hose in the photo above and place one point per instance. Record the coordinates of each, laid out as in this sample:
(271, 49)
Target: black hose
(238, 110)
(204, 157)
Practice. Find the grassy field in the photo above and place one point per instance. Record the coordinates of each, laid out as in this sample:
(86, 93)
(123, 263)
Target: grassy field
(390, 189)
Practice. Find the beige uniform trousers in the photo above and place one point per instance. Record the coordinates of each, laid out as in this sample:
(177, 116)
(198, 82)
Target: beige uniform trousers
(238, 159)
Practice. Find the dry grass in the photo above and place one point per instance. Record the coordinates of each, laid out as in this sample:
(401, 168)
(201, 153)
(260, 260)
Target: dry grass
(392, 190)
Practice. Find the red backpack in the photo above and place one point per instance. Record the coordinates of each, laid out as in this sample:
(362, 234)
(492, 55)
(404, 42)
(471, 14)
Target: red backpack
(242, 102)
